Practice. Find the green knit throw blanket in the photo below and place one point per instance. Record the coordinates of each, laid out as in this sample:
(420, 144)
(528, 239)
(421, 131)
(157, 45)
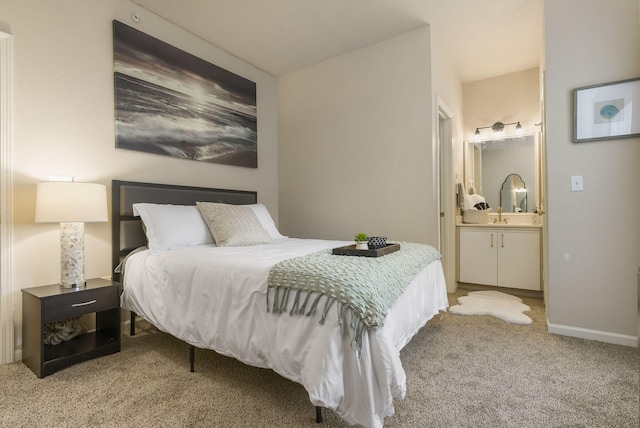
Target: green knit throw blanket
(364, 286)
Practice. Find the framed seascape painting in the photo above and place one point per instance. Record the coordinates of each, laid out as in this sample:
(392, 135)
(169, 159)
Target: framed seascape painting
(607, 111)
(170, 102)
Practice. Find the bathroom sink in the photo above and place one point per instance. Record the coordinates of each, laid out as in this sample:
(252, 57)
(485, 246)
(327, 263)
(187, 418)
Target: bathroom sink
(514, 219)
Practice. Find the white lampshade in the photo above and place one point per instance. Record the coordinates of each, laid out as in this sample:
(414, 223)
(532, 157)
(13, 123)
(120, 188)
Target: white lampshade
(71, 204)
(69, 201)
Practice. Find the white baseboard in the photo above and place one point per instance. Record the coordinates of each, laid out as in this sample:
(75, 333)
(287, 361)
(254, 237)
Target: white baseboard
(600, 336)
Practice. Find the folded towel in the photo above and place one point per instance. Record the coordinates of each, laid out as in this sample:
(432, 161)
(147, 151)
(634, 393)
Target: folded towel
(460, 194)
(470, 201)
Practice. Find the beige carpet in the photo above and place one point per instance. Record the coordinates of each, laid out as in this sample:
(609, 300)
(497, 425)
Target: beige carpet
(476, 371)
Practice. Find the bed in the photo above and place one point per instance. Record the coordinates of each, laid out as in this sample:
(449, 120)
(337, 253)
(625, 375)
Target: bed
(217, 297)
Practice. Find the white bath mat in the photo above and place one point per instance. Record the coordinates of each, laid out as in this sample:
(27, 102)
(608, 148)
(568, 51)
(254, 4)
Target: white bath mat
(494, 303)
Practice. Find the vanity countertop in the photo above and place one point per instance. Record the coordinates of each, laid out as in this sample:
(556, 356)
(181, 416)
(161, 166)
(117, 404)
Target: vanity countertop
(502, 225)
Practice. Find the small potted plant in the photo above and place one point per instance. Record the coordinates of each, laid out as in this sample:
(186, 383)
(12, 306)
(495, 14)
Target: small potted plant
(362, 241)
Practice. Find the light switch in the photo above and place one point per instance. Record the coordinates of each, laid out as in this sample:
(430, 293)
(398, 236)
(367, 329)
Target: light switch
(576, 183)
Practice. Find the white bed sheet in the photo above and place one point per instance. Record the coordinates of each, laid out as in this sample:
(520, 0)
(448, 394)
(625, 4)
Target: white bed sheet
(215, 298)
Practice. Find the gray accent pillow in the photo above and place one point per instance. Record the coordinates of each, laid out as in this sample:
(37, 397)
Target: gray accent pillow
(233, 225)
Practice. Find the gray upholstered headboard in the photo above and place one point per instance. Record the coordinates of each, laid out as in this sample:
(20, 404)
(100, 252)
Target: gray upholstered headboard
(127, 233)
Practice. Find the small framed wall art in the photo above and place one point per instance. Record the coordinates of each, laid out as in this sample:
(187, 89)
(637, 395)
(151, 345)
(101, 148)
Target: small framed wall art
(607, 111)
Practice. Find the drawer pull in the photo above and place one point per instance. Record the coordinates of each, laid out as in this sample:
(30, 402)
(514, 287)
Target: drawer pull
(90, 302)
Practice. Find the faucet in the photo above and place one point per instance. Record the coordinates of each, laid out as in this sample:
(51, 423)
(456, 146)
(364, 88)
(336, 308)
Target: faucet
(500, 219)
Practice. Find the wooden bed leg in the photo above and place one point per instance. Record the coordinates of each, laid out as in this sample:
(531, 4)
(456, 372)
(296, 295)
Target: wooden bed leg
(318, 414)
(132, 327)
(192, 357)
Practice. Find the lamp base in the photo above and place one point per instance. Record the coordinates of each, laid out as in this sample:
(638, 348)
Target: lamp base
(74, 286)
(72, 255)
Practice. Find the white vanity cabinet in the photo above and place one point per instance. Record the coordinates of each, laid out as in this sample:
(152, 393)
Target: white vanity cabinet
(500, 256)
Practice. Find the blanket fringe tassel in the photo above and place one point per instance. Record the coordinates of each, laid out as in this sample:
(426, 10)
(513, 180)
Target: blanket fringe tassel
(281, 303)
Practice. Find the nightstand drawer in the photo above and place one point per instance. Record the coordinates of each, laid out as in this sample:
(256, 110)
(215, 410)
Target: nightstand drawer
(77, 303)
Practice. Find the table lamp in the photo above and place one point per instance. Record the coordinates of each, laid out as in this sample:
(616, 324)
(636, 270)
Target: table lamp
(71, 204)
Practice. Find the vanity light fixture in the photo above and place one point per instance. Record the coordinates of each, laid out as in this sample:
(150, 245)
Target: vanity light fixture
(498, 131)
(519, 132)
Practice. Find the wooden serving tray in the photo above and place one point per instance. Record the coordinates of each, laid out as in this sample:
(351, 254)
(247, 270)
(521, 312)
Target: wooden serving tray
(350, 250)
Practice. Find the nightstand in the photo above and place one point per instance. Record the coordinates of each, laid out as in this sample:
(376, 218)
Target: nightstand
(49, 303)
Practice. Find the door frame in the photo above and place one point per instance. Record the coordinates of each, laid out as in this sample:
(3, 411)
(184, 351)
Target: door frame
(7, 351)
(446, 193)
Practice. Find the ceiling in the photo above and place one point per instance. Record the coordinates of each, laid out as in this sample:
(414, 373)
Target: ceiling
(480, 38)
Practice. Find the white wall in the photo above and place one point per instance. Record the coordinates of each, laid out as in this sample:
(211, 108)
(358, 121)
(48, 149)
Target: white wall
(448, 87)
(64, 124)
(509, 98)
(356, 144)
(593, 235)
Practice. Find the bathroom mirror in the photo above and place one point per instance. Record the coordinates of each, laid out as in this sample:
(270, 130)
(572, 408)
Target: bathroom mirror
(488, 163)
(513, 195)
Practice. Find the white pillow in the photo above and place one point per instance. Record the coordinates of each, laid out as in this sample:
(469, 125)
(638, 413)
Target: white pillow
(172, 226)
(266, 221)
(233, 225)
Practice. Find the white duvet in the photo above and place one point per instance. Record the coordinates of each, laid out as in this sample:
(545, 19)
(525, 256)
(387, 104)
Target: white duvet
(215, 298)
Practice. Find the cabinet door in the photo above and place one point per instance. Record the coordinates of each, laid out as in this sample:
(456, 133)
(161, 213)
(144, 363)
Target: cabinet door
(478, 256)
(519, 259)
